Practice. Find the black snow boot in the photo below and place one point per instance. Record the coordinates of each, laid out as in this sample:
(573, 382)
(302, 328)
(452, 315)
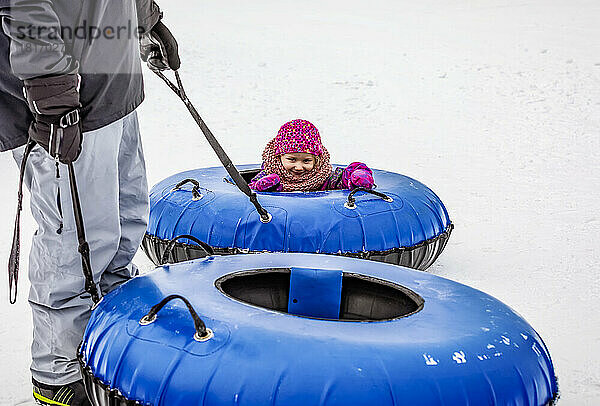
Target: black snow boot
(72, 394)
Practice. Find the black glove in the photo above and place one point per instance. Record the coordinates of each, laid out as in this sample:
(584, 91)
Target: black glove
(54, 102)
(159, 48)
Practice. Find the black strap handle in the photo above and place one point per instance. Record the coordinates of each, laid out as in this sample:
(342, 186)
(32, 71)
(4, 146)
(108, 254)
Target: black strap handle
(239, 181)
(351, 203)
(202, 333)
(84, 248)
(195, 192)
(207, 248)
(15, 252)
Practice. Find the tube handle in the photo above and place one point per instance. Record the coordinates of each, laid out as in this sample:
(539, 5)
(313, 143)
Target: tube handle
(239, 181)
(205, 247)
(202, 332)
(196, 195)
(351, 202)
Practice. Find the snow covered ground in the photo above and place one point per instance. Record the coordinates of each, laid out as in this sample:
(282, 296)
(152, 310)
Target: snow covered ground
(494, 104)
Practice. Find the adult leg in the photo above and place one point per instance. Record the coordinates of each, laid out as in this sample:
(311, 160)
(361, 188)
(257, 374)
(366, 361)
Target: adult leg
(60, 306)
(133, 206)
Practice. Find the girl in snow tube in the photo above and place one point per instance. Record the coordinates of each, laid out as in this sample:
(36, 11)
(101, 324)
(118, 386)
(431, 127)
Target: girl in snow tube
(314, 207)
(296, 160)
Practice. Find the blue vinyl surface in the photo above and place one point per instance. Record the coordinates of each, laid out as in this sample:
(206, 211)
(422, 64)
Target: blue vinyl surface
(314, 222)
(462, 348)
(315, 292)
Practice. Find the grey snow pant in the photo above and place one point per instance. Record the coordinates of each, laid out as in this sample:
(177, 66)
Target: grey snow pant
(111, 178)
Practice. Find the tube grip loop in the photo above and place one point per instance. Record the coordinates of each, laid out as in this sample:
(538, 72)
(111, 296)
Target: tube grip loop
(199, 326)
(351, 203)
(196, 195)
(205, 247)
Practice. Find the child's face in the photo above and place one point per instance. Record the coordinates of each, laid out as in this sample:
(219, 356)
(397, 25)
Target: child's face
(298, 163)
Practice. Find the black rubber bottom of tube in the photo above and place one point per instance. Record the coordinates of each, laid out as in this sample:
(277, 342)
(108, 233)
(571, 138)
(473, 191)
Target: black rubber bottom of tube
(420, 256)
(101, 394)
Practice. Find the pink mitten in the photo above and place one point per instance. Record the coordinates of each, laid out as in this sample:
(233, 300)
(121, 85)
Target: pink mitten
(356, 175)
(269, 183)
(361, 178)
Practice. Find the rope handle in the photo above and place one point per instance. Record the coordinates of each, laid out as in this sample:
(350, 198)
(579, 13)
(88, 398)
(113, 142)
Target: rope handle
(83, 247)
(207, 248)
(239, 181)
(202, 332)
(351, 203)
(15, 252)
(196, 195)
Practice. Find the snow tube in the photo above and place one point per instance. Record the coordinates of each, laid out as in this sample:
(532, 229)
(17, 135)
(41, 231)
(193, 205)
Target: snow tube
(408, 225)
(305, 329)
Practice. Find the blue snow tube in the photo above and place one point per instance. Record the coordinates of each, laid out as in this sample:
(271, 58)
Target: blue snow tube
(306, 329)
(404, 224)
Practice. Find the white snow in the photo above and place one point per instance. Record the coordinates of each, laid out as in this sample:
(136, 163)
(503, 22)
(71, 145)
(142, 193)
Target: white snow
(494, 104)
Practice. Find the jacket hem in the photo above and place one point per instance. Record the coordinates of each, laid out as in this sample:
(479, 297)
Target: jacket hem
(97, 124)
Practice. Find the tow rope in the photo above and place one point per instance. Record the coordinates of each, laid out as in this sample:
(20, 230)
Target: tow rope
(15, 251)
(239, 181)
(83, 247)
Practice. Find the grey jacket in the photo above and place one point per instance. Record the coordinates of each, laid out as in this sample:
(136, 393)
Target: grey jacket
(96, 38)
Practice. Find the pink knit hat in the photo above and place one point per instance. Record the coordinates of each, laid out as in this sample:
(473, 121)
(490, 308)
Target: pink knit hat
(297, 136)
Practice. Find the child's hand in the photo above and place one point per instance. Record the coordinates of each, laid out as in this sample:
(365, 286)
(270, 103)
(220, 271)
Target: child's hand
(269, 183)
(361, 178)
(356, 175)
